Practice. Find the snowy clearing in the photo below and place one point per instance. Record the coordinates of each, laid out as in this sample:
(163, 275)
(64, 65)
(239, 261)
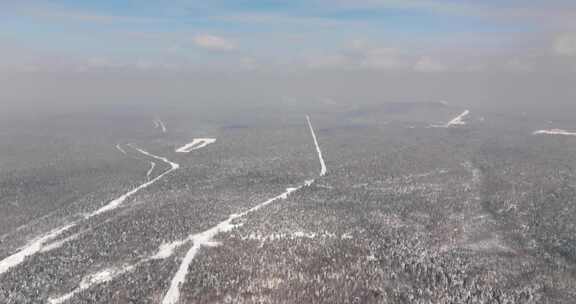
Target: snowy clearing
(554, 132)
(457, 121)
(197, 143)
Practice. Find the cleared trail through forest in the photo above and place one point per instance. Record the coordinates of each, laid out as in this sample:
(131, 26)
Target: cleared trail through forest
(43, 243)
(197, 241)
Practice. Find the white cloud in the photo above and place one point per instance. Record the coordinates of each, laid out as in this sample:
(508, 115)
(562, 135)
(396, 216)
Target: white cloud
(362, 55)
(427, 64)
(212, 42)
(565, 44)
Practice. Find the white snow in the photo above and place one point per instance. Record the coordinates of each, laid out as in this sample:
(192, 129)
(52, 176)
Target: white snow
(347, 236)
(322, 163)
(173, 294)
(31, 248)
(60, 243)
(100, 277)
(119, 147)
(167, 250)
(457, 121)
(198, 240)
(120, 200)
(158, 123)
(152, 165)
(295, 235)
(97, 278)
(554, 132)
(204, 239)
(38, 245)
(197, 143)
(173, 165)
(108, 274)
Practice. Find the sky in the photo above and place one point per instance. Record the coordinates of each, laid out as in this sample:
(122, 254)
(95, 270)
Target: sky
(70, 55)
(423, 36)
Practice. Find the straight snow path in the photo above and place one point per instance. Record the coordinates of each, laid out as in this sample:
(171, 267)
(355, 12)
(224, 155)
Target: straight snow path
(320, 157)
(554, 132)
(197, 143)
(40, 244)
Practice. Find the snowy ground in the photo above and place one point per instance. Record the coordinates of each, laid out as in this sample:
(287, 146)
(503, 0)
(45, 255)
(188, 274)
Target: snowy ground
(312, 211)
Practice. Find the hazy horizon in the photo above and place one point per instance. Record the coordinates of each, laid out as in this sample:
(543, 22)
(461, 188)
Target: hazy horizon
(125, 52)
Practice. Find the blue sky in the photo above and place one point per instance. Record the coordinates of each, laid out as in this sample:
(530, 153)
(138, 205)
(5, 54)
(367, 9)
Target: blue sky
(386, 34)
